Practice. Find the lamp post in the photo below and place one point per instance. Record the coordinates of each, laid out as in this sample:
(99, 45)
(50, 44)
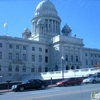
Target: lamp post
(62, 60)
(1, 78)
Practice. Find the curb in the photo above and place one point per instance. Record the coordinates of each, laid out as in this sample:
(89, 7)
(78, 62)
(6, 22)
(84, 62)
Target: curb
(4, 91)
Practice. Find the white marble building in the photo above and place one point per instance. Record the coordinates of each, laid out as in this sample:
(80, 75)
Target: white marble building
(41, 49)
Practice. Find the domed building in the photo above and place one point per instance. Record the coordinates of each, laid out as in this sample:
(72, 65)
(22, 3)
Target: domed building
(45, 48)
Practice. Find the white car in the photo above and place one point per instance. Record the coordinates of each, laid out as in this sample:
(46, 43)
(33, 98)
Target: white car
(92, 79)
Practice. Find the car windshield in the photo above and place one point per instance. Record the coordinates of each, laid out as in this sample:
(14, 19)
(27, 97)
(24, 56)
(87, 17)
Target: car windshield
(25, 81)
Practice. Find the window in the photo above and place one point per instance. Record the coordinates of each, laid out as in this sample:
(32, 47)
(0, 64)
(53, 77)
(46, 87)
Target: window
(46, 50)
(46, 59)
(17, 69)
(86, 62)
(10, 46)
(33, 48)
(56, 68)
(10, 56)
(24, 68)
(67, 67)
(72, 67)
(46, 69)
(85, 54)
(95, 55)
(0, 55)
(0, 67)
(32, 69)
(77, 67)
(91, 55)
(76, 58)
(0, 45)
(40, 58)
(24, 47)
(24, 57)
(40, 49)
(10, 68)
(66, 57)
(71, 58)
(39, 69)
(91, 62)
(17, 46)
(17, 56)
(33, 57)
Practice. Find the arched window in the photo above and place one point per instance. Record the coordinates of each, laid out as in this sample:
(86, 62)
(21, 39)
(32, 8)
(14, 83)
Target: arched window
(56, 68)
(46, 69)
(10, 68)
(77, 67)
(17, 68)
(39, 69)
(67, 67)
(24, 68)
(72, 67)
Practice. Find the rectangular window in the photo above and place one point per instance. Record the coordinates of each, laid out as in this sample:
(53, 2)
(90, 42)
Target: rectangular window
(91, 62)
(0, 55)
(46, 50)
(40, 49)
(95, 55)
(24, 57)
(24, 47)
(71, 58)
(17, 56)
(85, 54)
(17, 46)
(10, 46)
(46, 59)
(91, 55)
(66, 57)
(33, 57)
(0, 45)
(33, 48)
(86, 62)
(40, 58)
(10, 56)
(76, 58)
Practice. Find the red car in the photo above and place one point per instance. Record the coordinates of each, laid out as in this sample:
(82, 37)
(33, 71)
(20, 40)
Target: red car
(70, 81)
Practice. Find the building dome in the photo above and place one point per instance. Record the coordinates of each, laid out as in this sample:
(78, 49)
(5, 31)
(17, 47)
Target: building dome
(45, 7)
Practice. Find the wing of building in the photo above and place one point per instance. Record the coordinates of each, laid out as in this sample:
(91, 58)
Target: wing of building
(42, 48)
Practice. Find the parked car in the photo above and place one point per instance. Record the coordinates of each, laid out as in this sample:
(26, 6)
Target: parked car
(30, 84)
(92, 79)
(69, 81)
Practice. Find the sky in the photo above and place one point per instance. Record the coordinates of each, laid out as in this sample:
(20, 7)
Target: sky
(82, 16)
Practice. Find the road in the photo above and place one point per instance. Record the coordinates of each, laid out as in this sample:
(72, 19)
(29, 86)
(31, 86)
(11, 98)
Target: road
(81, 92)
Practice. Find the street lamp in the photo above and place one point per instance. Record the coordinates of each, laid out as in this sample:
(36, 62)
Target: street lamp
(62, 60)
(1, 78)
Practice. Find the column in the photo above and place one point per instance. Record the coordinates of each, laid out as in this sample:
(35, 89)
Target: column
(48, 25)
(52, 25)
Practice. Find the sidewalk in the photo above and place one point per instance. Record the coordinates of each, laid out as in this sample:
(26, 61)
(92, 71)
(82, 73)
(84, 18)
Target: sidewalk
(9, 90)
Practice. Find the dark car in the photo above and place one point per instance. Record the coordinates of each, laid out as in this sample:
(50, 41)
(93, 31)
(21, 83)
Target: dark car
(30, 84)
(69, 81)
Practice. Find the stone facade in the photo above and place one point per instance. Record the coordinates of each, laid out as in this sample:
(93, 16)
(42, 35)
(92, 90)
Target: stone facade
(41, 49)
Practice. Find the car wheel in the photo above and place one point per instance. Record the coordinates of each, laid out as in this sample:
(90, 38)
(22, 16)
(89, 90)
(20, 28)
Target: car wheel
(66, 84)
(43, 86)
(79, 83)
(94, 81)
(21, 89)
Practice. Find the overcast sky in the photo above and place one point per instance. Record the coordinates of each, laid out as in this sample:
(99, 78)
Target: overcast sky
(82, 16)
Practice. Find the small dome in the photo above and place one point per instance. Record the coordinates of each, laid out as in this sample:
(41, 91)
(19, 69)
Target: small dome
(41, 21)
(45, 7)
(26, 30)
